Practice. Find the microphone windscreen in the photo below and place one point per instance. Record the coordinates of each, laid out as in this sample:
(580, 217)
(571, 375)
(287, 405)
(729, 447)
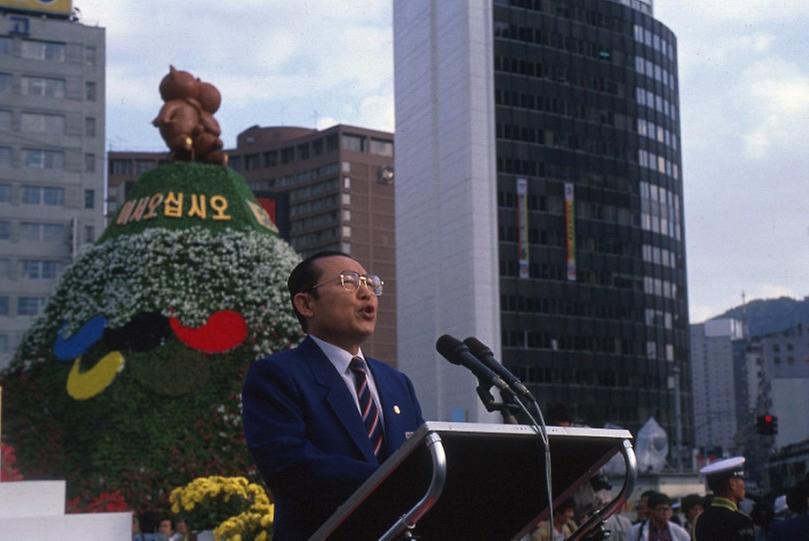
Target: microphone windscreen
(447, 346)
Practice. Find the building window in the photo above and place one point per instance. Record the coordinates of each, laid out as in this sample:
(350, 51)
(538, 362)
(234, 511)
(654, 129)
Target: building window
(89, 199)
(271, 158)
(42, 232)
(42, 123)
(142, 166)
(90, 126)
(43, 159)
(347, 231)
(287, 155)
(5, 120)
(5, 193)
(5, 45)
(43, 86)
(41, 195)
(90, 55)
(381, 148)
(317, 147)
(303, 152)
(251, 162)
(43, 50)
(90, 91)
(353, 143)
(346, 199)
(3, 343)
(5, 83)
(331, 142)
(29, 306)
(40, 270)
(347, 183)
(89, 234)
(121, 167)
(5, 156)
(5, 230)
(4, 305)
(90, 163)
(5, 268)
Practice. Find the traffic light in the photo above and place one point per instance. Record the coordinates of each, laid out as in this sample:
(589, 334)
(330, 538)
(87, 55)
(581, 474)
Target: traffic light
(767, 424)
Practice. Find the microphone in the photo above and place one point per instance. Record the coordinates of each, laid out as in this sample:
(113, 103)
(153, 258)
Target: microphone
(456, 352)
(485, 355)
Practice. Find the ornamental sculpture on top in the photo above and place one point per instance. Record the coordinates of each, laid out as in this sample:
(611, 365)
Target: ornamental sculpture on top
(186, 120)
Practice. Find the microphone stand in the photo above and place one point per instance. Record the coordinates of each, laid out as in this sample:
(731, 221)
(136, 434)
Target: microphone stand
(507, 410)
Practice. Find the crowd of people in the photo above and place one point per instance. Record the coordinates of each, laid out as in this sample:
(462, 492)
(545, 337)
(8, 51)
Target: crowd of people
(153, 527)
(725, 513)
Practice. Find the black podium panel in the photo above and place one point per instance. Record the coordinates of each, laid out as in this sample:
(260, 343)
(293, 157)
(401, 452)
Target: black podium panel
(493, 483)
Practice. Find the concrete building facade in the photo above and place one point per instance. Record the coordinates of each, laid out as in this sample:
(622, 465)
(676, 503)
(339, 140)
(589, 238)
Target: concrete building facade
(783, 363)
(51, 158)
(539, 205)
(717, 358)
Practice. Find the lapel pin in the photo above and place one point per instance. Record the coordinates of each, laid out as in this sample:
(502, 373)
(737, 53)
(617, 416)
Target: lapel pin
(396, 410)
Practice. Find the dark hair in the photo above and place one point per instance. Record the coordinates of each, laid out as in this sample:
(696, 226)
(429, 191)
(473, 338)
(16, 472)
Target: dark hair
(691, 501)
(719, 485)
(569, 503)
(657, 498)
(559, 413)
(797, 497)
(306, 275)
(646, 494)
(149, 521)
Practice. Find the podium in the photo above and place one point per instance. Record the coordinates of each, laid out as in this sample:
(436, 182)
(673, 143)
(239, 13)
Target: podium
(477, 481)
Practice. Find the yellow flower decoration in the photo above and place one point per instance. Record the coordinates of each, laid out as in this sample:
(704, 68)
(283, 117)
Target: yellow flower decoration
(87, 384)
(216, 494)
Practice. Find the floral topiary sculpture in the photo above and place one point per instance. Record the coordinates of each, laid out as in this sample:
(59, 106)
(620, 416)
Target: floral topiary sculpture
(130, 379)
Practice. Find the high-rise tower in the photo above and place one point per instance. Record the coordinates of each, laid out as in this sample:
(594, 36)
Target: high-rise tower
(539, 204)
(51, 154)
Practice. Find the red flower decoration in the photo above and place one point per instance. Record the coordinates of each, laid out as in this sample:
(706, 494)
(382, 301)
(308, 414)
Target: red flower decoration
(223, 331)
(8, 472)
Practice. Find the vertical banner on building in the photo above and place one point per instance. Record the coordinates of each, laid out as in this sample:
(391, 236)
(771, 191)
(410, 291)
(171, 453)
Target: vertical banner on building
(522, 226)
(570, 232)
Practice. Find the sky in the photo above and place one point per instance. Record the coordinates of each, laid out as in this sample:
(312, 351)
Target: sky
(744, 103)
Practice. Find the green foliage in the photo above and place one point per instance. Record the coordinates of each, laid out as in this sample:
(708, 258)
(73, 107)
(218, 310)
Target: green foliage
(172, 414)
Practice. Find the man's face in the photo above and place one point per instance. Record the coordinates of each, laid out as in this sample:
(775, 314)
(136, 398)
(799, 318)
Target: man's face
(564, 516)
(661, 514)
(643, 510)
(338, 316)
(165, 528)
(737, 489)
(694, 512)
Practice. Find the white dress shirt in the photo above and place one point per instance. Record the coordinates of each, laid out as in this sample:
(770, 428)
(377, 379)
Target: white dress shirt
(341, 359)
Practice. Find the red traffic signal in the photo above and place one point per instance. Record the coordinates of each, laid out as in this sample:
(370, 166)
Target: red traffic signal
(767, 424)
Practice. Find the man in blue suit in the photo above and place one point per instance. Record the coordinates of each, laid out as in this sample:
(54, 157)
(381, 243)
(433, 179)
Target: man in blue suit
(320, 418)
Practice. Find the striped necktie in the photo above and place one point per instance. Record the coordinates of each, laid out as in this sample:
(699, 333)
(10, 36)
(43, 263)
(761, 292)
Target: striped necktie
(368, 409)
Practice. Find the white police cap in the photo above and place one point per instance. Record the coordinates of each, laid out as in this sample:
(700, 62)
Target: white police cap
(724, 468)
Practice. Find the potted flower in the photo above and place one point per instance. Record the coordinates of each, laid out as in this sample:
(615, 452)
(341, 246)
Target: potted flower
(230, 506)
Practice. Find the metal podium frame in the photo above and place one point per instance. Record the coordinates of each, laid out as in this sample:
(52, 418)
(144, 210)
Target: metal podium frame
(429, 435)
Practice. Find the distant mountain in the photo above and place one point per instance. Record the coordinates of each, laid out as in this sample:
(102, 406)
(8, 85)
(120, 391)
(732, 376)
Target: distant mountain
(771, 315)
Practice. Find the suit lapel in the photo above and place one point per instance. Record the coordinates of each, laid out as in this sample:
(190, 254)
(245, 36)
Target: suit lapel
(337, 397)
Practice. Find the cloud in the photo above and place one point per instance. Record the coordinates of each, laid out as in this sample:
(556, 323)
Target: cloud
(774, 96)
(279, 60)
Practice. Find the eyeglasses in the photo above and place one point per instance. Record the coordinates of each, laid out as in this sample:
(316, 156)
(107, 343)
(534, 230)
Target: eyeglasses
(351, 281)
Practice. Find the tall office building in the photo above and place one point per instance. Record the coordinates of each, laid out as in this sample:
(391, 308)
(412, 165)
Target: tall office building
(539, 204)
(51, 153)
(328, 190)
(718, 363)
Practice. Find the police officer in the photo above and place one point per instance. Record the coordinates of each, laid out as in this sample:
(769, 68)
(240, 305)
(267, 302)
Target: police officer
(723, 520)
